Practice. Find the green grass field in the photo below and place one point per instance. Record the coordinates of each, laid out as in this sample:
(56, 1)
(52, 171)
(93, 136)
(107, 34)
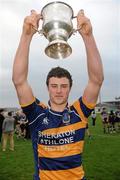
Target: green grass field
(101, 157)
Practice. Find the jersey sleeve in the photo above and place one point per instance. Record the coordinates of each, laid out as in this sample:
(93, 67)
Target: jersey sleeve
(33, 111)
(86, 107)
(83, 108)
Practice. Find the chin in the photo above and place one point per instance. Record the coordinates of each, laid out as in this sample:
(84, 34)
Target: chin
(59, 102)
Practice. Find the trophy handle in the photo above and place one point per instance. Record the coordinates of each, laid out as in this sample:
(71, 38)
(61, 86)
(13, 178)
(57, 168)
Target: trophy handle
(41, 32)
(37, 30)
(75, 30)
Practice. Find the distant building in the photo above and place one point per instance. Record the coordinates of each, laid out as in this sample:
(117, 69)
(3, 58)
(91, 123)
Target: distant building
(8, 109)
(110, 105)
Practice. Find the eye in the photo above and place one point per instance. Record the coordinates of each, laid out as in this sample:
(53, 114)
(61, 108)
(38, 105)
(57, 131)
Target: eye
(53, 85)
(64, 85)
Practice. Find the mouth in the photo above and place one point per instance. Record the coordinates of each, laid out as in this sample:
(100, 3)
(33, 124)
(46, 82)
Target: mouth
(58, 96)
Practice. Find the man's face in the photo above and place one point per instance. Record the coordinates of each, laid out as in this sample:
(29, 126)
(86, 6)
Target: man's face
(59, 89)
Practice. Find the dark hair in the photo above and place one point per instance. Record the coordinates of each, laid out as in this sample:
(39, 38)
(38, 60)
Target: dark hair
(59, 73)
(104, 109)
(111, 112)
(1, 110)
(10, 113)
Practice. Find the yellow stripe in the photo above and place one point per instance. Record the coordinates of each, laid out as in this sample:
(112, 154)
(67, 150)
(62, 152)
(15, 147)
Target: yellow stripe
(42, 105)
(78, 109)
(60, 151)
(25, 105)
(74, 174)
(64, 129)
(89, 105)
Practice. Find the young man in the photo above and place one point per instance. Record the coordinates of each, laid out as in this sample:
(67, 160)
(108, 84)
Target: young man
(57, 131)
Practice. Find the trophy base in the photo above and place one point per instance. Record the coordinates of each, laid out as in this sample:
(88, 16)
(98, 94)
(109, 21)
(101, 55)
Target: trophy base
(58, 49)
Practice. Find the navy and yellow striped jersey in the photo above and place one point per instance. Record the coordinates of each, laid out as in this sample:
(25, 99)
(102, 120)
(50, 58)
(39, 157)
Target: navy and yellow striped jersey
(58, 139)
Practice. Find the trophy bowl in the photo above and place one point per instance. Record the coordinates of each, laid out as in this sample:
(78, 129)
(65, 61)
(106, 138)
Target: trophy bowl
(57, 27)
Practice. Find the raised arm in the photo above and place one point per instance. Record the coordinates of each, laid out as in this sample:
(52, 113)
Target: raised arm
(21, 61)
(94, 63)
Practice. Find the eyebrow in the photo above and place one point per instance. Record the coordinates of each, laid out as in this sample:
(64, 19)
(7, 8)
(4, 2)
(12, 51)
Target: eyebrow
(60, 84)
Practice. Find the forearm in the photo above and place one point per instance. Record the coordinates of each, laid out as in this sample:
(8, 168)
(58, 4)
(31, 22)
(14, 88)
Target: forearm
(20, 67)
(94, 63)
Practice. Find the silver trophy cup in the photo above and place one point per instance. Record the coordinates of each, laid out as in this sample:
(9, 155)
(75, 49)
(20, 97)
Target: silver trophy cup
(57, 27)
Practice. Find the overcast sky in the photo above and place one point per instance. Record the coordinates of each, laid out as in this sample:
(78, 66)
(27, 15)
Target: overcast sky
(105, 18)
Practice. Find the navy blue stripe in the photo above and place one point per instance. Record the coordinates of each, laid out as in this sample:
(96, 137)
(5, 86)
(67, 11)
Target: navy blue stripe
(62, 140)
(86, 111)
(74, 117)
(32, 111)
(80, 134)
(60, 163)
(83, 178)
(56, 120)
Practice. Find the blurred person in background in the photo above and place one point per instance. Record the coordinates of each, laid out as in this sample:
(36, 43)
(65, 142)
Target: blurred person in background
(93, 117)
(117, 120)
(8, 132)
(105, 116)
(111, 120)
(1, 122)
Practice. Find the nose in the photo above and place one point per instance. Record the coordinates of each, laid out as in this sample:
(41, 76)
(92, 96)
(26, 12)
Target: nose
(58, 89)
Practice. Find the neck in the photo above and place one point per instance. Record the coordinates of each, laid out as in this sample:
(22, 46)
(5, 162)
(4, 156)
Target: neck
(58, 107)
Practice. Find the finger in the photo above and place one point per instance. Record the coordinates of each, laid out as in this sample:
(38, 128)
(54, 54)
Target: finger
(39, 16)
(33, 11)
(81, 12)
